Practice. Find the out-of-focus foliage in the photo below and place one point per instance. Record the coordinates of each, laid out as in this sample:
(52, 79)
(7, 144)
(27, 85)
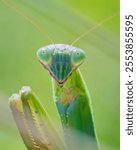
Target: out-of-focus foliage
(64, 21)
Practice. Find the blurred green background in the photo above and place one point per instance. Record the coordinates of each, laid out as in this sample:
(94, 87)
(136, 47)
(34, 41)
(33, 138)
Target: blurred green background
(64, 21)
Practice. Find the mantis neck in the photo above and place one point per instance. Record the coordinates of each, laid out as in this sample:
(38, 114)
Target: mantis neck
(71, 89)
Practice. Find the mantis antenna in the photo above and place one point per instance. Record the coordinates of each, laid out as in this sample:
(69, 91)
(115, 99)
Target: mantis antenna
(94, 27)
(26, 17)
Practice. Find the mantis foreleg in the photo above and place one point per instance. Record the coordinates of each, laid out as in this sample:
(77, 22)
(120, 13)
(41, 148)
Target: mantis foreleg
(34, 123)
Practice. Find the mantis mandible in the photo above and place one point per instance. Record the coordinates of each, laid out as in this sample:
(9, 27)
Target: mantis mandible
(70, 95)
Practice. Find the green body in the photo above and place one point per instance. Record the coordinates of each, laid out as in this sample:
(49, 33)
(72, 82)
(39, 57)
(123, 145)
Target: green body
(74, 106)
(71, 98)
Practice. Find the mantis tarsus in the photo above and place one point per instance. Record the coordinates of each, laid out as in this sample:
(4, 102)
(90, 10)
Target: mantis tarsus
(70, 95)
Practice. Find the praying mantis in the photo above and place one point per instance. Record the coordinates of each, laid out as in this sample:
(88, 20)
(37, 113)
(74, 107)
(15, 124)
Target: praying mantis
(70, 95)
(71, 98)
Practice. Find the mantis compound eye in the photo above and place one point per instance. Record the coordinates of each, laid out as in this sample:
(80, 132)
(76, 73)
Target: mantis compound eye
(44, 55)
(77, 57)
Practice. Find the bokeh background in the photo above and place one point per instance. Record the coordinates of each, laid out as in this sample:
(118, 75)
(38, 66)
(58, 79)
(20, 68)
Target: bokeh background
(64, 21)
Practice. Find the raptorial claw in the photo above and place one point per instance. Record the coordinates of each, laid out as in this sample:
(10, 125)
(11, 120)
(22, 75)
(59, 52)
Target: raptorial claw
(33, 122)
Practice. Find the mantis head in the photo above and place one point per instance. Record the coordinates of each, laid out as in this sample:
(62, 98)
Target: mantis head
(60, 60)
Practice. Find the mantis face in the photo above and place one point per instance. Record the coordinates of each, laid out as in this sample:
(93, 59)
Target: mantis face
(60, 60)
